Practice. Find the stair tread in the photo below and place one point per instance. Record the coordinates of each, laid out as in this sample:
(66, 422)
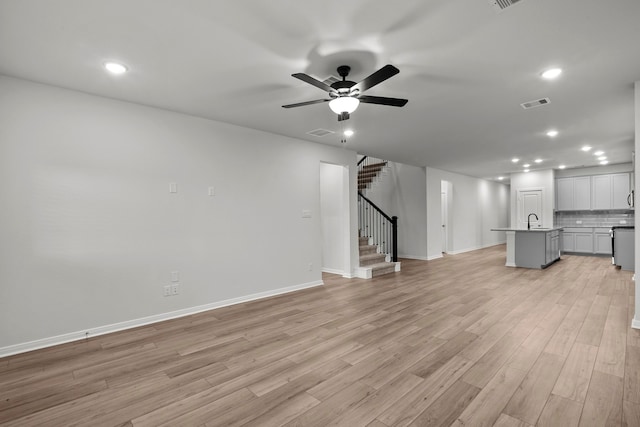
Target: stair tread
(369, 247)
(374, 165)
(381, 265)
(372, 256)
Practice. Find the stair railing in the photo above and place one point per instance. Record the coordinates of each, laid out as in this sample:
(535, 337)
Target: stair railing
(378, 226)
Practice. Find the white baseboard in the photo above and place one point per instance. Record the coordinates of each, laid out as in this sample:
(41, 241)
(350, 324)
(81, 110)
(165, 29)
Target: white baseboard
(475, 248)
(416, 257)
(107, 329)
(432, 257)
(635, 323)
(461, 251)
(332, 271)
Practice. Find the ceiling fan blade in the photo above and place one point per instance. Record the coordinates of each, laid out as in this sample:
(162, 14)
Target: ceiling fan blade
(302, 104)
(382, 100)
(379, 76)
(317, 83)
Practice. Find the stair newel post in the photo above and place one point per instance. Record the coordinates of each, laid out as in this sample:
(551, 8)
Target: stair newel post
(394, 228)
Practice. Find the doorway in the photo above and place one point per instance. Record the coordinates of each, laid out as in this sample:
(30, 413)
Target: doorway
(445, 212)
(529, 201)
(334, 219)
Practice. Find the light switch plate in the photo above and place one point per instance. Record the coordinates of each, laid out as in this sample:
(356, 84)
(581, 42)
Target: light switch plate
(173, 187)
(306, 213)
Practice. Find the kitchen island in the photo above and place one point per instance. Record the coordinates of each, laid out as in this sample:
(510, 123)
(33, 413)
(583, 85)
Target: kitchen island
(534, 248)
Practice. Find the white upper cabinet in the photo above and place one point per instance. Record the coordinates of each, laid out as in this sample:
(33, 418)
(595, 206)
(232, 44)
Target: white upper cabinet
(564, 194)
(573, 194)
(601, 186)
(610, 191)
(582, 193)
(620, 188)
(598, 192)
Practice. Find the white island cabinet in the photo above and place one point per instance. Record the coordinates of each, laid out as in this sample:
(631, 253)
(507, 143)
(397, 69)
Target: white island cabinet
(535, 248)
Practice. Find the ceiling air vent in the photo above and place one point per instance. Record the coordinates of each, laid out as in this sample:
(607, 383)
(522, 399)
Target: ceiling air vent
(320, 132)
(500, 5)
(536, 103)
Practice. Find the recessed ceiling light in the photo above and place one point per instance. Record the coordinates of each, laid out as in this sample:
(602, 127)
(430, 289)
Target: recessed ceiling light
(551, 73)
(598, 153)
(538, 160)
(561, 167)
(602, 158)
(515, 160)
(500, 178)
(604, 162)
(586, 148)
(526, 165)
(115, 68)
(348, 132)
(552, 133)
(526, 170)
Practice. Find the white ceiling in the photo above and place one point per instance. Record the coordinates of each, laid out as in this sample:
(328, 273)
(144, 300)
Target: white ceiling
(464, 68)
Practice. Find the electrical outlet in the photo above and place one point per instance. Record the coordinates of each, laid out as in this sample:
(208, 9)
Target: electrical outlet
(175, 276)
(175, 289)
(167, 290)
(310, 266)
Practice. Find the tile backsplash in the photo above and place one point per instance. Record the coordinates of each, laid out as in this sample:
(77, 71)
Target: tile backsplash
(594, 218)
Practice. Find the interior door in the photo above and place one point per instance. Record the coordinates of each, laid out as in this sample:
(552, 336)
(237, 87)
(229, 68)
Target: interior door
(529, 202)
(443, 216)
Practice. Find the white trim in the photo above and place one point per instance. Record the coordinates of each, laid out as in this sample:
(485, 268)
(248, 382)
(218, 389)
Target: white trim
(107, 329)
(419, 258)
(364, 273)
(432, 257)
(635, 323)
(332, 271)
(475, 248)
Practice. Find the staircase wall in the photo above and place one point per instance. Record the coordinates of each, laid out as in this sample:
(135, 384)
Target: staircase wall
(401, 191)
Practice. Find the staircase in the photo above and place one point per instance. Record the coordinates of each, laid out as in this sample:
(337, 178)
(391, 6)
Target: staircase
(374, 262)
(367, 173)
(378, 246)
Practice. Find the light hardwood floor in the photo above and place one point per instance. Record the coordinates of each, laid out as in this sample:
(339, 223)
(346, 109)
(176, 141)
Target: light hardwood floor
(460, 341)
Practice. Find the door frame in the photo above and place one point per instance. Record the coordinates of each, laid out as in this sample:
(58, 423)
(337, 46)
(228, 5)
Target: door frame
(520, 206)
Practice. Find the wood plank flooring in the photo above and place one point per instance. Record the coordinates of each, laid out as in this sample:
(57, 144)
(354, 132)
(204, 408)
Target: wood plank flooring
(460, 341)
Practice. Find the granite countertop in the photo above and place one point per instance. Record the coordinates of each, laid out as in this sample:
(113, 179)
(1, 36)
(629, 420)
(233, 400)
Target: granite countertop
(528, 231)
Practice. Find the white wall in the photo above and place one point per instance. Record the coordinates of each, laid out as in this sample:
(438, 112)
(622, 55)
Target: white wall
(401, 191)
(89, 232)
(532, 180)
(476, 206)
(333, 224)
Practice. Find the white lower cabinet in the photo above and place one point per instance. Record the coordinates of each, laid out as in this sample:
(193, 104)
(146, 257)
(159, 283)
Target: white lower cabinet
(568, 242)
(602, 241)
(584, 242)
(587, 241)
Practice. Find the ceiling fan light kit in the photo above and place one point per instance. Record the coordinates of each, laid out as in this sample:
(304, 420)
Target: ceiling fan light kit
(346, 95)
(344, 104)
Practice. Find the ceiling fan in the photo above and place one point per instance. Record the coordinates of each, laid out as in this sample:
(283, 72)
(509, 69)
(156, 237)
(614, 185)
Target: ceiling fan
(345, 95)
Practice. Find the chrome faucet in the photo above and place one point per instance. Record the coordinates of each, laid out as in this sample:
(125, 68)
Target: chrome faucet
(529, 220)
